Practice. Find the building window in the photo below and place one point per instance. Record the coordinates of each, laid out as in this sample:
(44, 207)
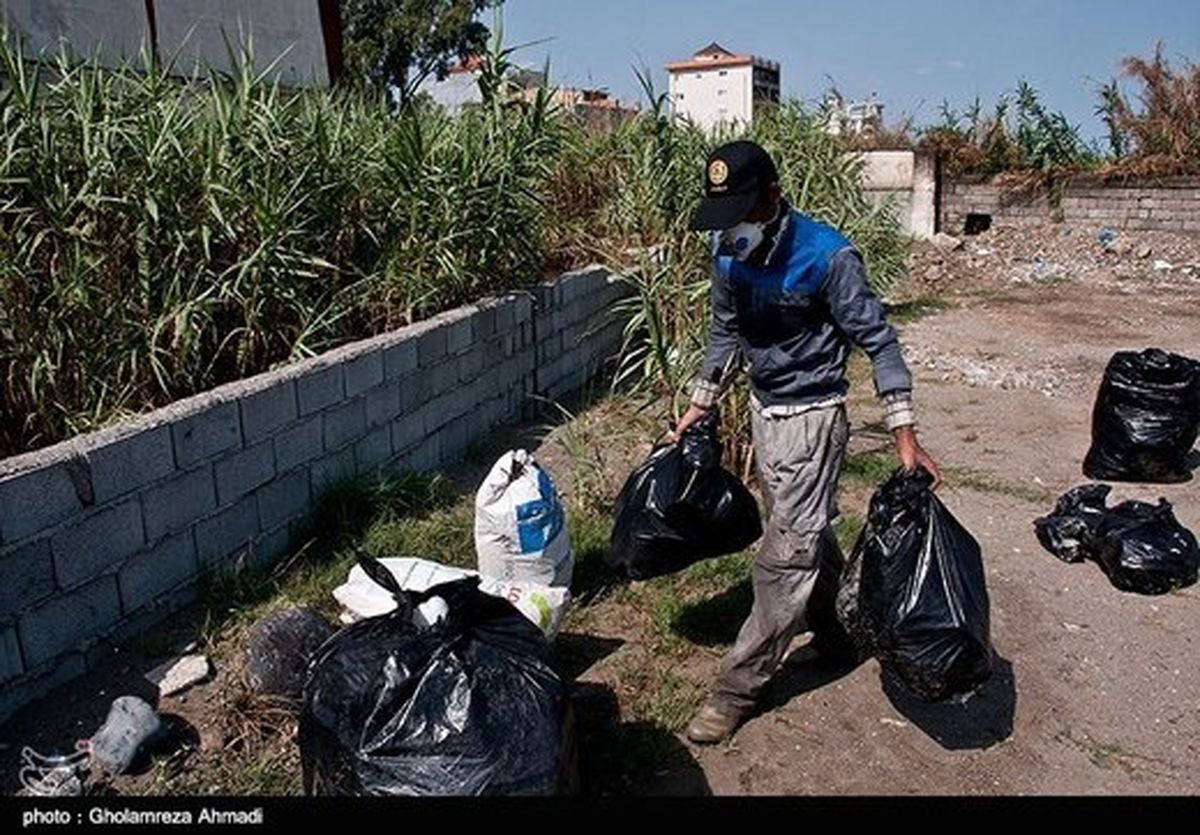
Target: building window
(723, 73)
(721, 92)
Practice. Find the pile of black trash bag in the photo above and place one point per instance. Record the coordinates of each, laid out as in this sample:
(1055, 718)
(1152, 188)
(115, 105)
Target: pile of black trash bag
(1146, 419)
(470, 705)
(913, 592)
(1141, 547)
(680, 507)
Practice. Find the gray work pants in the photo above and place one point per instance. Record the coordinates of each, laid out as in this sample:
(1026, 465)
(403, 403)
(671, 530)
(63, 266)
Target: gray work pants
(798, 460)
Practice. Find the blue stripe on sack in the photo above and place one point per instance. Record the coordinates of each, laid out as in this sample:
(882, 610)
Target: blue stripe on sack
(540, 520)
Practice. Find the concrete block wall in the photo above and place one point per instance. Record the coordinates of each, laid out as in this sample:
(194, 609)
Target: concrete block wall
(103, 536)
(909, 180)
(1166, 205)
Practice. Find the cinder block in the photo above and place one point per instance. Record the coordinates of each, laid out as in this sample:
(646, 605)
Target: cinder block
(373, 451)
(244, 471)
(506, 316)
(363, 373)
(265, 412)
(220, 538)
(284, 499)
(431, 347)
(207, 434)
(383, 404)
(128, 464)
(426, 456)
(470, 364)
(175, 504)
(270, 547)
(407, 431)
(36, 500)
(65, 622)
(415, 391)
(299, 444)
(445, 376)
(169, 564)
(345, 424)
(26, 577)
(97, 544)
(460, 335)
(400, 359)
(330, 470)
(36, 683)
(434, 416)
(320, 388)
(485, 322)
(11, 664)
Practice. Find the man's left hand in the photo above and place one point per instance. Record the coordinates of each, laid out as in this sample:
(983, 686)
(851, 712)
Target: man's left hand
(912, 455)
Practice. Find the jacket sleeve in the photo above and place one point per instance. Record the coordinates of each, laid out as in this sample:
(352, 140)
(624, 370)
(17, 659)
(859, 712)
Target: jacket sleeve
(722, 355)
(859, 314)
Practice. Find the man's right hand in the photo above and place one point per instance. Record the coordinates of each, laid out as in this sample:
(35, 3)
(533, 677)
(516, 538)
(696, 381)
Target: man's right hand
(693, 414)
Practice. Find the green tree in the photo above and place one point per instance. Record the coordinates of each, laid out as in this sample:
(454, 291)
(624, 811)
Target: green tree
(399, 43)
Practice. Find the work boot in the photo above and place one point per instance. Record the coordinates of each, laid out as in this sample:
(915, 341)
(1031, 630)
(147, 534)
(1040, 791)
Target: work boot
(714, 724)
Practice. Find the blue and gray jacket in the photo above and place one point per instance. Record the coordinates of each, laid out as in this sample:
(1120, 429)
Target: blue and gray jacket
(795, 319)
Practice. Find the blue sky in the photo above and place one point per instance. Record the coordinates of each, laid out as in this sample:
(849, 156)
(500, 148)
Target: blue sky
(914, 54)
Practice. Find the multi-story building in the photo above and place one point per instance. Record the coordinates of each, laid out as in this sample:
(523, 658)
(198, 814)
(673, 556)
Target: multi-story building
(858, 118)
(716, 87)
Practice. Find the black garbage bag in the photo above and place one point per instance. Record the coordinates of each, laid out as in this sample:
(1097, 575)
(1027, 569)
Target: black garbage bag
(1141, 547)
(680, 507)
(913, 592)
(1146, 419)
(469, 706)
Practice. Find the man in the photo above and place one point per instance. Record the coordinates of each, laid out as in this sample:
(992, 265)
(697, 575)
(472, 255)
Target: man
(790, 296)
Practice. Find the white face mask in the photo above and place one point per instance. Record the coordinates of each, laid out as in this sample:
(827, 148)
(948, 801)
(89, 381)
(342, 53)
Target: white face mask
(744, 238)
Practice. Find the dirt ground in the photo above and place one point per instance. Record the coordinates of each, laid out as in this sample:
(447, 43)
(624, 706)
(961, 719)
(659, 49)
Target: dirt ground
(1096, 691)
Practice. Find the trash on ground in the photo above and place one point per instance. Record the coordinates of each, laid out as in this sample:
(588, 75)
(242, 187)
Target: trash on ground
(361, 597)
(520, 525)
(280, 648)
(469, 705)
(130, 731)
(179, 674)
(1146, 419)
(1141, 547)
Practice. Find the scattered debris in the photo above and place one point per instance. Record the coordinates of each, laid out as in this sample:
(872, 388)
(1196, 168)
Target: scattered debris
(54, 776)
(131, 729)
(1163, 266)
(180, 674)
(279, 649)
(946, 243)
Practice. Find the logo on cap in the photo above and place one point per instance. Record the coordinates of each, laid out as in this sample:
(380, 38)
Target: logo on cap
(718, 172)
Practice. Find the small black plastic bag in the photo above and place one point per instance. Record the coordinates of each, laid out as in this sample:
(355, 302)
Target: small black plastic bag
(1141, 547)
(680, 507)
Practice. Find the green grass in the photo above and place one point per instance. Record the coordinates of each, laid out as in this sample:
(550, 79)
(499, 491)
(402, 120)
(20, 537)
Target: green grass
(660, 696)
(911, 311)
(870, 468)
(847, 528)
(981, 482)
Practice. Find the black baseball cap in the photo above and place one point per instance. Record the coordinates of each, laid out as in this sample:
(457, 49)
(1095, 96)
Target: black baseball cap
(734, 178)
